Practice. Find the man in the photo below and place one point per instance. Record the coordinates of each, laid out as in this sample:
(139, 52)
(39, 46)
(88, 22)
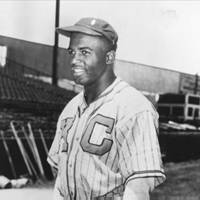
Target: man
(106, 145)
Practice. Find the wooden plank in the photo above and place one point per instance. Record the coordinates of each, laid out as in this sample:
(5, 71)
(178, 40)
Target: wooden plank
(46, 150)
(35, 150)
(29, 165)
(8, 154)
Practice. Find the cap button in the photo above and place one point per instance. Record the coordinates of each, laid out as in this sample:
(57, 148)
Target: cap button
(93, 22)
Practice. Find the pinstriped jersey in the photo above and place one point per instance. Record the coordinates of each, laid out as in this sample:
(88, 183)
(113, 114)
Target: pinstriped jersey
(99, 147)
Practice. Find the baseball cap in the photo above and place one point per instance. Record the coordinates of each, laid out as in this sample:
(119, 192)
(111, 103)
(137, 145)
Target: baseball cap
(91, 26)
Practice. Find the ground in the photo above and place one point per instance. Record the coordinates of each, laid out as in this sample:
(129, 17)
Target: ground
(183, 183)
(37, 191)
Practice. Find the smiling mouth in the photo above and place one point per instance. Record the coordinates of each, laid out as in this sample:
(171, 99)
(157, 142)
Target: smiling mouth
(77, 71)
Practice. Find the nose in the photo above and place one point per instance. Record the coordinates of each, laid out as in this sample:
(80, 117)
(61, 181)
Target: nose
(75, 58)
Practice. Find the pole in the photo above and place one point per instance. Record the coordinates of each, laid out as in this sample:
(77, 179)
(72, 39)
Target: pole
(196, 84)
(55, 48)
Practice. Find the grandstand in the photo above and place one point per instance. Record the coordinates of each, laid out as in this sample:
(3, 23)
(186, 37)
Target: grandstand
(27, 100)
(20, 95)
(26, 92)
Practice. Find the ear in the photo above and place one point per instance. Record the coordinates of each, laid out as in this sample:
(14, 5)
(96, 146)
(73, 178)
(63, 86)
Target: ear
(110, 57)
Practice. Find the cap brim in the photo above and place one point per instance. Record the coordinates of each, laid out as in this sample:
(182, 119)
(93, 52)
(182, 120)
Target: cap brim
(67, 31)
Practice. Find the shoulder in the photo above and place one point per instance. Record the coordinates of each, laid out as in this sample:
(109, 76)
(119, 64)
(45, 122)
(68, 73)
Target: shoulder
(130, 103)
(131, 98)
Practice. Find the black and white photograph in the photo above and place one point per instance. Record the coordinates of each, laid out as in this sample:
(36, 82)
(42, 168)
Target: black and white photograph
(99, 100)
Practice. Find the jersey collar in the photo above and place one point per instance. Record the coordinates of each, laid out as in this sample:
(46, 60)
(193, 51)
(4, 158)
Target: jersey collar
(83, 105)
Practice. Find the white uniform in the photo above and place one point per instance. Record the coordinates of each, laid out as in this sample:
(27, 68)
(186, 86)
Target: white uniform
(99, 148)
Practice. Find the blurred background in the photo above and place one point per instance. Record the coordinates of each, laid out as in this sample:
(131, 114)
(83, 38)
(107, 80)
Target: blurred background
(158, 53)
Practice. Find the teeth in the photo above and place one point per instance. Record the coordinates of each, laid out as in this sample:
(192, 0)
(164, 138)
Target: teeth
(78, 70)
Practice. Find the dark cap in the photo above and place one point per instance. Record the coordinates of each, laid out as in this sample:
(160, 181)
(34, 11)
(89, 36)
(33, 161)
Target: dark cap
(91, 26)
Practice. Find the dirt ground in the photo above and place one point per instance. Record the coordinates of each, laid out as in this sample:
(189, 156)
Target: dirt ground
(183, 183)
(36, 191)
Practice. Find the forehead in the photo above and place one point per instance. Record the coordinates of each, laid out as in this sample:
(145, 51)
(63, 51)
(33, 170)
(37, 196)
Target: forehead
(83, 40)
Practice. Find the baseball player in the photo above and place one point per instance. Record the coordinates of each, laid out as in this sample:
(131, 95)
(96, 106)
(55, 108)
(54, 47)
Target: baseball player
(106, 145)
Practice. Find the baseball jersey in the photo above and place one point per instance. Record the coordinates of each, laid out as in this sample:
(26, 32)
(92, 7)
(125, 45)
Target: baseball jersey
(99, 147)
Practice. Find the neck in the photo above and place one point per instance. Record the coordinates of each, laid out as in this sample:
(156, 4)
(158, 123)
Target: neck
(94, 90)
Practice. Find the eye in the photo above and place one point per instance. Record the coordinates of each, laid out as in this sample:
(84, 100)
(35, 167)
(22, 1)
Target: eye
(70, 52)
(85, 52)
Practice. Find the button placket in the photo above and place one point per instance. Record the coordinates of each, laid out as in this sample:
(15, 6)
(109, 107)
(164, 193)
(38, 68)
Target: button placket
(73, 151)
(74, 148)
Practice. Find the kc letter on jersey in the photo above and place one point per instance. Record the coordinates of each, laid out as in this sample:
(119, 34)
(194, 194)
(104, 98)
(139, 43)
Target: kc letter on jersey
(66, 124)
(97, 137)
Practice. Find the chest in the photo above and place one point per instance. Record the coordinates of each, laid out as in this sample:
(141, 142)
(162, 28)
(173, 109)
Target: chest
(90, 130)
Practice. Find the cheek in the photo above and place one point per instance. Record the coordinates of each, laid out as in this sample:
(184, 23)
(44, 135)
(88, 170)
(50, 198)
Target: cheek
(96, 65)
(94, 71)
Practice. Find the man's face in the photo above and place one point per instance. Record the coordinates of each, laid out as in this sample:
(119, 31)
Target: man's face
(87, 58)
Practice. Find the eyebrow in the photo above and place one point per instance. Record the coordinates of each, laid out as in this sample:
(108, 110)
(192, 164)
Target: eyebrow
(85, 48)
(81, 48)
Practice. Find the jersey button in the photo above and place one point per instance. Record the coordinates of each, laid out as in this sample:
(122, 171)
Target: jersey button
(77, 139)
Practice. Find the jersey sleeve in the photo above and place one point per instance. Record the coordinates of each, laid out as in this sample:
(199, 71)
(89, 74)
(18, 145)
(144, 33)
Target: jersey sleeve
(53, 155)
(139, 150)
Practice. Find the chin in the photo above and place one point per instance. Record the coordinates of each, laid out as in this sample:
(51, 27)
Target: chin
(83, 81)
(79, 82)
